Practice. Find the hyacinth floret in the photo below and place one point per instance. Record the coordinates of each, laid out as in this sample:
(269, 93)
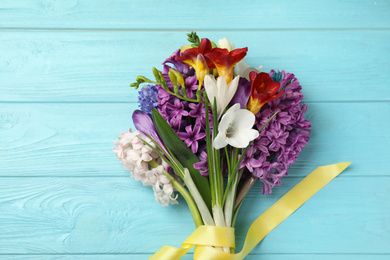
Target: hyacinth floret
(135, 156)
(280, 142)
(147, 98)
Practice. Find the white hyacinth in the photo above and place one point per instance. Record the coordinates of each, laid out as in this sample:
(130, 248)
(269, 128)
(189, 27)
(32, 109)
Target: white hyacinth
(135, 157)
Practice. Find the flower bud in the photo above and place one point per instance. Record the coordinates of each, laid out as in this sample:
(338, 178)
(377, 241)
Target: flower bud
(176, 77)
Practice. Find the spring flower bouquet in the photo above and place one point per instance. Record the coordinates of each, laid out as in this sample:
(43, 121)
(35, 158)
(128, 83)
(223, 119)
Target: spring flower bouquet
(208, 128)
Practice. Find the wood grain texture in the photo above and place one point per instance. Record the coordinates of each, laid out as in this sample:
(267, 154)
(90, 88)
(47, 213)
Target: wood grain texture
(76, 139)
(58, 66)
(190, 255)
(218, 15)
(65, 67)
(118, 215)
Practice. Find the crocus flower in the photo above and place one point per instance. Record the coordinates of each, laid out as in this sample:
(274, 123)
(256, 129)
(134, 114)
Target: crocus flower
(224, 61)
(144, 123)
(263, 90)
(221, 91)
(195, 58)
(235, 128)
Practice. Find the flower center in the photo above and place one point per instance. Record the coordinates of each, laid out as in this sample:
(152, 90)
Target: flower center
(229, 131)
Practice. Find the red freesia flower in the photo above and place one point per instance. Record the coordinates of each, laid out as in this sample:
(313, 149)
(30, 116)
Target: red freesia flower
(189, 56)
(195, 58)
(263, 90)
(224, 61)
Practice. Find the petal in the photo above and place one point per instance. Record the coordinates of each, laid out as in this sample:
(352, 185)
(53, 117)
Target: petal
(210, 84)
(247, 71)
(226, 121)
(231, 89)
(205, 46)
(252, 134)
(220, 141)
(224, 44)
(233, 108)
(222, 88)
(252, 76)
(243, 120)
(239, 140)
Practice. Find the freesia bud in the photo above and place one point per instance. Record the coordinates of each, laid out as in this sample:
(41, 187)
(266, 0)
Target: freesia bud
(201, 68)
(225, 44)
(176, 77)
(156, 73)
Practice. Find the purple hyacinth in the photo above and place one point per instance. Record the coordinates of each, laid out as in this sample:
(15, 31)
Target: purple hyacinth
(280, 142)
(187, 119)
(147, 98)
(192, 136)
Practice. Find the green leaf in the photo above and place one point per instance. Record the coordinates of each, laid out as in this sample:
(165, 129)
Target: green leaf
(183, 154)
(193, 38)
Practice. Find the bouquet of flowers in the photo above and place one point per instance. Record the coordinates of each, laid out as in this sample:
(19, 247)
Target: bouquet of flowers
(210, 126)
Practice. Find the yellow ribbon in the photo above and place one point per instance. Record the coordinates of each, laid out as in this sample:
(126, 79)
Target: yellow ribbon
(206, 238)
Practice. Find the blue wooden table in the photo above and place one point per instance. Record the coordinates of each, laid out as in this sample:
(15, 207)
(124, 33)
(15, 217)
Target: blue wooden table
(65, 67)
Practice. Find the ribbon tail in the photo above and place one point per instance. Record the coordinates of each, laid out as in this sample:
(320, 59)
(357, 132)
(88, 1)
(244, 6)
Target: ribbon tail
(204, 237)
(289, 203)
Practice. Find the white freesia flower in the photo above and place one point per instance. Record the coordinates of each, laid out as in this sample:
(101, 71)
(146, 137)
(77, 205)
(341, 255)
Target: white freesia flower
(221, 91)
(243, 69)
(235, 128)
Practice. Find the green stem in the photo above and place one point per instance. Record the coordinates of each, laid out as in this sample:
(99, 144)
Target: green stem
(209, 145)
(184, 98)
(190, 201)
(230, 199)
(202, 207)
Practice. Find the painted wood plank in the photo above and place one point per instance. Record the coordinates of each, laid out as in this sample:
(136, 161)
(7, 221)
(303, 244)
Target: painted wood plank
(76, 139)
(190, 256)
(82, 66)
(245, 14)
(119, 215)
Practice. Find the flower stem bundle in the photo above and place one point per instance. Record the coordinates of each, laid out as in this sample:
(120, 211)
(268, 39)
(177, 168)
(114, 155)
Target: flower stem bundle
(210, 127)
